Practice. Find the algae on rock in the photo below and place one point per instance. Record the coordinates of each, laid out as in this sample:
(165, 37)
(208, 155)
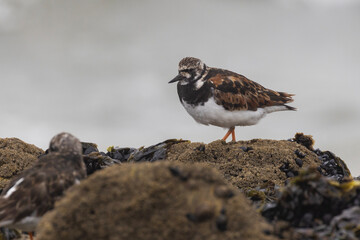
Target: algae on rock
(15, 156)
(154, 201)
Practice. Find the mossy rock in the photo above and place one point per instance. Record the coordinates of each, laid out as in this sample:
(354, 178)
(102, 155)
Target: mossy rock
(15, 156)
(248, 164)
(153, 201)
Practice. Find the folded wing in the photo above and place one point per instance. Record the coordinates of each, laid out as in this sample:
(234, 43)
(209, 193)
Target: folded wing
(236, 92)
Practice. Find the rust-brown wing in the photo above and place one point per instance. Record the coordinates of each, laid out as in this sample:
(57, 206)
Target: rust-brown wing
(236, 92)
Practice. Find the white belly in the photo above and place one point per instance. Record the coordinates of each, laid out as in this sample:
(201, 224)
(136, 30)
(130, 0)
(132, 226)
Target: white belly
(214, 114)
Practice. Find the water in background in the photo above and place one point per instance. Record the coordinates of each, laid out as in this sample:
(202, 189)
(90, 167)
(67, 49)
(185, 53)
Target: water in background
(99, 69)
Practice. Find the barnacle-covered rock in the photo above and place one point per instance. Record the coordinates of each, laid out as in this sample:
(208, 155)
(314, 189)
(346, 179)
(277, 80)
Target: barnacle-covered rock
(250, 164)
(330, 166)
(143, 154)
(344, 226)
(247, 164)
(95, 160)
(320, 203)
(88, 147)
(154, 201)
(312, 206)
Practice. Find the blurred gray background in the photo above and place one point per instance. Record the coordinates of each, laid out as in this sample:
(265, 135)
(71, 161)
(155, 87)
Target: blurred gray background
(100, 68)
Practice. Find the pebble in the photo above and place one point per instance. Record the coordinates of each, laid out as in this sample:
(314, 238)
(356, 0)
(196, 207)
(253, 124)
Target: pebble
(299, 162)
(246, 149)
(299, 154)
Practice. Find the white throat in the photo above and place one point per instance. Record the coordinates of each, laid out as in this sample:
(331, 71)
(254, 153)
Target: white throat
(199, 83)
(183, 82)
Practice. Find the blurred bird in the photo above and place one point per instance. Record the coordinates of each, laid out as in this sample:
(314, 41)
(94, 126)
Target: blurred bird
(214, 96)
(31, 194)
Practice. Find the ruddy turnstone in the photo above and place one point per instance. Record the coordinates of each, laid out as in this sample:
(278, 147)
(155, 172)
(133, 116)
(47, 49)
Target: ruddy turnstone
(28, 197)
(223, 98)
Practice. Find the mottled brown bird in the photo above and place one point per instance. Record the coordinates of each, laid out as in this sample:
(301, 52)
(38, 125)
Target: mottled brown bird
(214, 96)
(31, 194)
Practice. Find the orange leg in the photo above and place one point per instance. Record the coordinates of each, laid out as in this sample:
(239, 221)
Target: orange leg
(232, 132)
(31, 236)
(233, 135)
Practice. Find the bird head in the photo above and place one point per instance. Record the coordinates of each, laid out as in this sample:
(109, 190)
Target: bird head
(65, 142)
(190, 70)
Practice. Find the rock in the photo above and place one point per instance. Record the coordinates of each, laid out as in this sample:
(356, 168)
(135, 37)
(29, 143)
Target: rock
(275, 155)
(264, 170)
(88, 147)
(313, 207)
(248, 164)
(15, 156)
(143, 154)
(159, 200)
(95, 161)
(348, 222)
(332, 166)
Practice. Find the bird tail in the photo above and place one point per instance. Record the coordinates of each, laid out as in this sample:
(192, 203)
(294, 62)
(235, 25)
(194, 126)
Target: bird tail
(286, 97)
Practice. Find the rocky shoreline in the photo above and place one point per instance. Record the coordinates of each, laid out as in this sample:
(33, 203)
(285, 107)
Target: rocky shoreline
(257, 189)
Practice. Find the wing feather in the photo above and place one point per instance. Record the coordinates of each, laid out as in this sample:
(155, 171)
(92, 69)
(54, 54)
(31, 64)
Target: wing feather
(236, 92)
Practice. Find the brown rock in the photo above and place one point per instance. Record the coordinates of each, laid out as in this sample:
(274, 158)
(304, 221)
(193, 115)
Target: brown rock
(247, 164)
(153, 201)
(15, 156)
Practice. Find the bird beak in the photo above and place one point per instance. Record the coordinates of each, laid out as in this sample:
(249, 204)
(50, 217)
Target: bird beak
(177, 78)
